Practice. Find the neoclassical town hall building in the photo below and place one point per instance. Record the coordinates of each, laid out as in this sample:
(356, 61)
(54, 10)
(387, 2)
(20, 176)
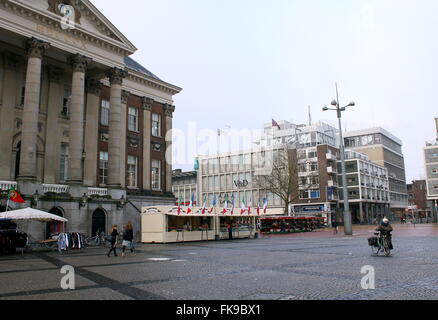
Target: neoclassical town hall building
(82, 125)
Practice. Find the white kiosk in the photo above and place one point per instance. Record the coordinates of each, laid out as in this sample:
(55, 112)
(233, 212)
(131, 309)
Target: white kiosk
(169, 225)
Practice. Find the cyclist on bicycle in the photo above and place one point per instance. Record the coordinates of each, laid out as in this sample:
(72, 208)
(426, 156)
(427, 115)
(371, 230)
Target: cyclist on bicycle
(386, 229)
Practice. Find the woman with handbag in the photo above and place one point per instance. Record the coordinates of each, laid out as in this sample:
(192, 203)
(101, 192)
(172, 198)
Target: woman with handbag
(128, 237)
(113, 241)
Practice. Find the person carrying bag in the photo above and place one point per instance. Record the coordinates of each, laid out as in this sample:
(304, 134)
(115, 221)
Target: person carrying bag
(113, 241)
(128, 237)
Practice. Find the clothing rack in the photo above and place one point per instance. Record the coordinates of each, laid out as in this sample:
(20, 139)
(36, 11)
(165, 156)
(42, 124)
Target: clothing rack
(71, 241)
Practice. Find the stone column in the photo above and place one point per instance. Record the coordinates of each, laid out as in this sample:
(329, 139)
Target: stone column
(147, 133)
(124, 125)
(114, 151)
(361, 213)
(53, 141)
(168, 112)
(94, 88)
(7, 116)
(35, 52)
(77, 110)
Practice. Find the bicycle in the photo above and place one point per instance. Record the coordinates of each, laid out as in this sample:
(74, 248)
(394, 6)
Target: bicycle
(93, 241)
(380, 243)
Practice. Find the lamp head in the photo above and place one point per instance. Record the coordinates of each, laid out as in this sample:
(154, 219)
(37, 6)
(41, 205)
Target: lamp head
(325, 108)
(351, 104)
(334, 103)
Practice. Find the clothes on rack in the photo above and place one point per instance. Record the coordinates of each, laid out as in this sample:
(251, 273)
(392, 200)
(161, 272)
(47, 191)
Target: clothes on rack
(10, 240)
(71, 240)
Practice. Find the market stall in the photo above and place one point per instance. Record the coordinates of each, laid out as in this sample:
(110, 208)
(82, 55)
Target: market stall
(170, 224)
(12, 238)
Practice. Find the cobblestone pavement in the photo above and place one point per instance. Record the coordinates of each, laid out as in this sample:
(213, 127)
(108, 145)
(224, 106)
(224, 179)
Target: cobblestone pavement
(308, 266)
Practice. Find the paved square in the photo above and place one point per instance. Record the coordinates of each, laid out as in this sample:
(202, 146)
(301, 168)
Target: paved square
(308, 266)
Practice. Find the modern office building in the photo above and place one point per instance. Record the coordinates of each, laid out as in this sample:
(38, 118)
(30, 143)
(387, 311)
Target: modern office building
(384, 149)
(82, 124)
(319, 133)
(318, 182)
(234, 174)
(368, 188)
(184, 185)
(431, 166)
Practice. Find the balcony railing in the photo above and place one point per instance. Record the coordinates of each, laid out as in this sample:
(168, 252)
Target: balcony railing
(55, 188)
(330, 156)
(97, 192)
(7, 185)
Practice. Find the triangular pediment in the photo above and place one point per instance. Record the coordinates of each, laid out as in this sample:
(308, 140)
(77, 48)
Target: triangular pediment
(86, 17)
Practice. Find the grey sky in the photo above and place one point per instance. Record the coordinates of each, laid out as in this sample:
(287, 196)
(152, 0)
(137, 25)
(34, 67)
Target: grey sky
(243, 62)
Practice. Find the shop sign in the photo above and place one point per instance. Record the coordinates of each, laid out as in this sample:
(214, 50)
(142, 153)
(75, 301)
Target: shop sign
(241, 184)
(313, 208)
(151, 210)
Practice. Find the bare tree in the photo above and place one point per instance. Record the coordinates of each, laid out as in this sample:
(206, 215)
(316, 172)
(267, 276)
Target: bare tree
(281, 177)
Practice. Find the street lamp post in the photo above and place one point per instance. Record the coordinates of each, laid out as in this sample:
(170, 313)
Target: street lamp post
(348, 229)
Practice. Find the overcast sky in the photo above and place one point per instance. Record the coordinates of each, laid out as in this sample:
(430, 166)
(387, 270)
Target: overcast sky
(243, 62)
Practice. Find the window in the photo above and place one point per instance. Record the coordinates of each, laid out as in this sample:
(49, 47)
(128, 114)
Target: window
(66, 102)
(156, 175)
(304, 194)
(314, 194)
(133, 119)
(312, 154)
(104, 113)
(132, 171)
(63, 170)
(103, 168)
(156, 125)
(314, 166)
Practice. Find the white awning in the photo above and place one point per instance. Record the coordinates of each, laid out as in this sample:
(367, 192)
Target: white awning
(31, 214)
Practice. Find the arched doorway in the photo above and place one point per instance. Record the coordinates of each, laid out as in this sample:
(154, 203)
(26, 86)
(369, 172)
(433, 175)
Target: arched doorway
(98, 222)
(54, 226)
(17, 160)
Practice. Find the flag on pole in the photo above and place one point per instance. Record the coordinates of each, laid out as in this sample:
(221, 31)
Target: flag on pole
(265, 205)
(179, 205)
(275, 124)
(204, 205)
(249, 206)
(213, 204)
(225, 210)
(258, 207)
(192, 200)
(15, 196)
(232, 204)
(243, 206)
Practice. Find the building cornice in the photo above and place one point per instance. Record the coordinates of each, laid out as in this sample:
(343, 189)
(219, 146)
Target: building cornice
(53, 20)
(152, 83)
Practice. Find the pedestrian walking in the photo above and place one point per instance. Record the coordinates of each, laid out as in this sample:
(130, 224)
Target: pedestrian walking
(230, 231)
(335, 227)
(128, 237)
(113, 241)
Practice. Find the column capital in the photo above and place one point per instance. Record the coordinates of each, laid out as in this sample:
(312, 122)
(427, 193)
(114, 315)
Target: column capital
(36, 48)
(125, 96)
(79, 62)
(94, 86)
(116, 75)
(147, 103)
(169, 110)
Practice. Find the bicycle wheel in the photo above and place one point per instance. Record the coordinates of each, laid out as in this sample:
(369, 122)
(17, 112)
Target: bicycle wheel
(386, 249)
(375, 250)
